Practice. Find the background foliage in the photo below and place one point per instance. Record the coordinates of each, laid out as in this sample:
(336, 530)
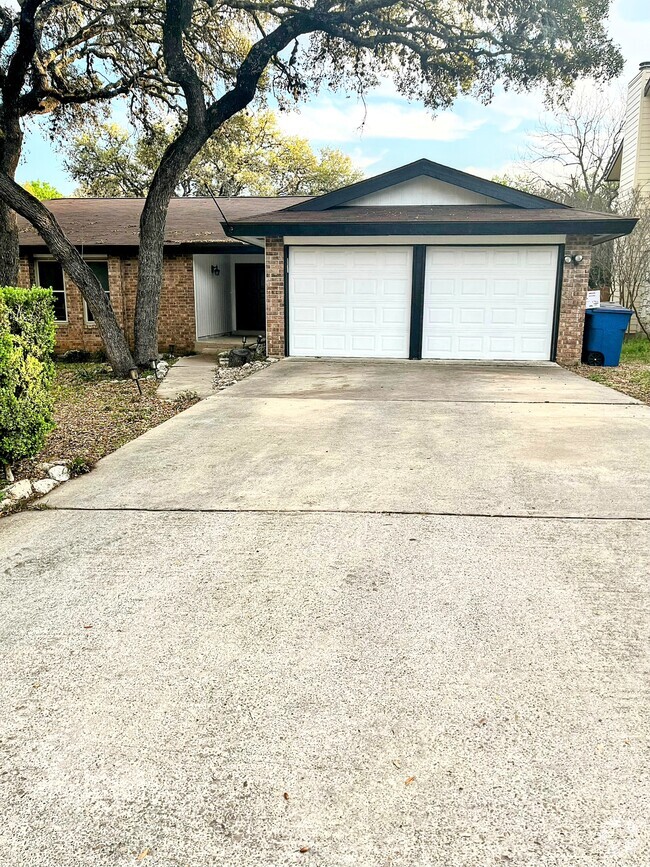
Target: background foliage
(250, 156)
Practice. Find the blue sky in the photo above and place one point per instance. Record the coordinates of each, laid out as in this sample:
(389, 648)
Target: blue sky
(487, 140)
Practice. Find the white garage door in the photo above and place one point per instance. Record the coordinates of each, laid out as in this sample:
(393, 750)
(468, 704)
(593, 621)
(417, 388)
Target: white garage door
(489, 302)
(350, 301)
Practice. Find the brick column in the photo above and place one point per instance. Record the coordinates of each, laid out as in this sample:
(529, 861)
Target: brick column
(575, 284)
(25, 274)
(274, 262)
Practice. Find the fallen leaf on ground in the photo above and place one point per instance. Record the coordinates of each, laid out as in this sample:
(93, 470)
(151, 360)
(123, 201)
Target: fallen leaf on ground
(397, 763)
(409, 781)
(304, 849)
(144, 854)
(286, 796)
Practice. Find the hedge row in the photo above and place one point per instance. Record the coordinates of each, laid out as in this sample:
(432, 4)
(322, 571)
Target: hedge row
(27, 336)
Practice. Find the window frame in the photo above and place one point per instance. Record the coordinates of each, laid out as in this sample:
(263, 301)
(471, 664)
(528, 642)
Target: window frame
(90, 323)
(37, 275)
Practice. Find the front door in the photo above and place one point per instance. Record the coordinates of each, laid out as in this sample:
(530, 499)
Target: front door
(249, 295)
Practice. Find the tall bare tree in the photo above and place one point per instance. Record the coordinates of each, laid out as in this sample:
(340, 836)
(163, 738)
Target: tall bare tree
(568, 156)
(629, 261)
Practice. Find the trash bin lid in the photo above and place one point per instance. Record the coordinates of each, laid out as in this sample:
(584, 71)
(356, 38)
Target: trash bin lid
(609, 307)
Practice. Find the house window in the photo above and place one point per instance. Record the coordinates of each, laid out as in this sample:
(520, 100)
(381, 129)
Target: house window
(50, 275)
(100, 270)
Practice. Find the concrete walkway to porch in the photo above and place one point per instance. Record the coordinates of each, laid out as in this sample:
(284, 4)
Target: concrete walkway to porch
(191, 373)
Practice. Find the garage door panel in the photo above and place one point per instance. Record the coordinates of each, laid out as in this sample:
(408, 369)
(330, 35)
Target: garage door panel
(489, 303)
(361, 302)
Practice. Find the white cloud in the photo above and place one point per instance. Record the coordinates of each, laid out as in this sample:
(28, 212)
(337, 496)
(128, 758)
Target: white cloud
(365, 161)
(325, 120)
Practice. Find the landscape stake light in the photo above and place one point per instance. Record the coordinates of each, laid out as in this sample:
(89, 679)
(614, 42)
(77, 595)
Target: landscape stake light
(135, 376)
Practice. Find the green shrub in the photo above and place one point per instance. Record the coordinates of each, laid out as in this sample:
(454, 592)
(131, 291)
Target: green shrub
(26, 371)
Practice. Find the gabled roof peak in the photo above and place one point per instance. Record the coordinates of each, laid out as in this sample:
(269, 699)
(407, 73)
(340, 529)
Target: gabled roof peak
(427, 168)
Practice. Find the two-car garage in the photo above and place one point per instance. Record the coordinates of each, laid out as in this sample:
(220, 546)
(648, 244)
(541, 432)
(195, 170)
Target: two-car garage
(462, 302)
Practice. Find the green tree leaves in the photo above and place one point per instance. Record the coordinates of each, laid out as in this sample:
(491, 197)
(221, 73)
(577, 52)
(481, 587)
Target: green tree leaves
(249, 155)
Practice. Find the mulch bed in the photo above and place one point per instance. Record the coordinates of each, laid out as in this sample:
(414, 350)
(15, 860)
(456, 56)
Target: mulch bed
(631, 378)
(96, 414)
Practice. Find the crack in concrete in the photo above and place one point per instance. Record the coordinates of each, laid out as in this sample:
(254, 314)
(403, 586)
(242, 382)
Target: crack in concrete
(434, 400)
(380, 512)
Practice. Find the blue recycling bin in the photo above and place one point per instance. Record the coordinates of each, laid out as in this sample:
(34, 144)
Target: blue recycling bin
(605, 328)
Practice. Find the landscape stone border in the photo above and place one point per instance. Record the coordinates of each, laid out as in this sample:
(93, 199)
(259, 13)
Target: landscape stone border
(18, 493)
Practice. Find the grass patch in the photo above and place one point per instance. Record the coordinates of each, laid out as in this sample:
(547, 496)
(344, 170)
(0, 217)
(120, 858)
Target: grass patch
(636, 348)
(95, 414)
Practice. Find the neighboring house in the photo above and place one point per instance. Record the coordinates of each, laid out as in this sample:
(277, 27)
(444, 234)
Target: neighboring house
(631, 163)
(420, 262)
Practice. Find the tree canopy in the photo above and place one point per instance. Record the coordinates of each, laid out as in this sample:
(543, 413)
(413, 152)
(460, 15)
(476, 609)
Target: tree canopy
(42, 190)
(250, 156)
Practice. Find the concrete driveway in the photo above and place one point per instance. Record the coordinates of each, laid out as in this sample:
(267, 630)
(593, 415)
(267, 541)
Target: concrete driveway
(389, 614)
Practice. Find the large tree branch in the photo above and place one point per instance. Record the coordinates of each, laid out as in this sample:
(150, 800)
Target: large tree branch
(177, 20)
(26, 48)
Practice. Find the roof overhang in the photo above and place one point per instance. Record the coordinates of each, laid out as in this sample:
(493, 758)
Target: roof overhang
(607, 228)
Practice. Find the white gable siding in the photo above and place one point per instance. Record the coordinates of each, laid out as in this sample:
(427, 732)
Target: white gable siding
(424, 191)
(631, 134)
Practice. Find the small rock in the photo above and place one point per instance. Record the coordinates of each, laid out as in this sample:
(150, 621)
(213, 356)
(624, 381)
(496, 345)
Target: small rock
(19, 490)
(44, 486)
(59, 472)
(44, 467)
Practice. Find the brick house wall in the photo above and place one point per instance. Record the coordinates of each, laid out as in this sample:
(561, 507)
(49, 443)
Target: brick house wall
(274, 259)
(575, 284)
(177, 325)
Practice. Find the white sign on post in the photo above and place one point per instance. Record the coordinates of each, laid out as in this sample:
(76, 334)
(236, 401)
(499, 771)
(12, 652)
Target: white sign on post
(593, 298)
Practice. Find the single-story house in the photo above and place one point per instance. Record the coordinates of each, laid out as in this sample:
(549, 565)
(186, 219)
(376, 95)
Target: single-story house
(424, 261)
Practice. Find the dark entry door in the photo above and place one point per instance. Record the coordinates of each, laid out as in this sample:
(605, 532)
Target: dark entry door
(249, 294)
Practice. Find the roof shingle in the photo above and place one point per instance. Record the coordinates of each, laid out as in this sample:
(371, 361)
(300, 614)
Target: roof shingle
(115, 222)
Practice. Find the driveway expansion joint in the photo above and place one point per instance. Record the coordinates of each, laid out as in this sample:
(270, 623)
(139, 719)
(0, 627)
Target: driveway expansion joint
(379, 512)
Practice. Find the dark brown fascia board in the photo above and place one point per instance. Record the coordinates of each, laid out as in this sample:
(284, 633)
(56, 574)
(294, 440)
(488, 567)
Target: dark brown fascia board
(558, 227)
(432, 170)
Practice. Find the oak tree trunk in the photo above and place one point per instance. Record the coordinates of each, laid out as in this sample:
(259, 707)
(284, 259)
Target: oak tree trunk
(152, 241)
(9, 253)
(11, 141)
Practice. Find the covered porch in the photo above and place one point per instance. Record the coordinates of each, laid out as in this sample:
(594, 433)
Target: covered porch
(229, 298)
